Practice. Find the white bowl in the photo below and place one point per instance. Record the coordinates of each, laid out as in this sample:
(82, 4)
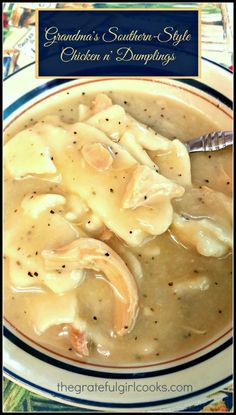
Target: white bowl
(203, 371)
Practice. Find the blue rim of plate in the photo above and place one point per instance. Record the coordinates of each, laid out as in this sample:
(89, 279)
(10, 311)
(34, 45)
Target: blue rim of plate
(43, 357)
(118, 405)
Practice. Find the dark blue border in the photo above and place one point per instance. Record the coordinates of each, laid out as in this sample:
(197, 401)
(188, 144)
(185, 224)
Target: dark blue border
(108, 375)
(118, 405)
(210, 91)
(56, 82)
(32, 94)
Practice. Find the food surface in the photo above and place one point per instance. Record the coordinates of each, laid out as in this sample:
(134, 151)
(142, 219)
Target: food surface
(117, 243)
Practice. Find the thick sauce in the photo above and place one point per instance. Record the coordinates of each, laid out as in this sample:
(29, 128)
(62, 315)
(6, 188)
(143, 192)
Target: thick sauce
(174, 319)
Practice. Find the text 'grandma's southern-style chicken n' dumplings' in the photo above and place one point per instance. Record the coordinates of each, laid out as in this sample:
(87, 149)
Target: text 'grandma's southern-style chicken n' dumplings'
(117, 241)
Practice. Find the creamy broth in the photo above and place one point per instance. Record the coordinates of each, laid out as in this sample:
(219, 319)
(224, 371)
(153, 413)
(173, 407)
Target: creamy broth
(183, 283)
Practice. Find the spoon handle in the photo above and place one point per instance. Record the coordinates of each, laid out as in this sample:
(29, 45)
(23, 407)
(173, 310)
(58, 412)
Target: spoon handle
(210, 142)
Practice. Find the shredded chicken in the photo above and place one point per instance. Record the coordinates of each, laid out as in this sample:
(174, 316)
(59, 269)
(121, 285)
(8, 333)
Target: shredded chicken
(97, 156)
(93, 254)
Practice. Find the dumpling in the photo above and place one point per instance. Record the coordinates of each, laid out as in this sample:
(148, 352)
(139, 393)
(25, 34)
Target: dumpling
(174, 163)
(27, 154)
(76, 208)
(62, 282)
(50, 309)
(155, 220)
(205, 235)
(100, 103)
(84, 112)
(112, 121)
(146, 136)
(129, 141)
(34, 205)
(20, 277)
(147, 188)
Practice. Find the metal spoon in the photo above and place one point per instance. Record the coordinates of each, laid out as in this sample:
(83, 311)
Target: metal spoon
(210, 142)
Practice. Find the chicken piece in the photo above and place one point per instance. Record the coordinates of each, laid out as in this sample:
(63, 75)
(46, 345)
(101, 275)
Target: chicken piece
(106, 235)
(87, 134)
(147, 188)
(90, 253)
(26, 154)
(34, 205)
(194, 330)
(206, 236)
(189, 285)
(83, 336)
(98, 156)
(129, 257)
(79, 341)
(100, 103)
